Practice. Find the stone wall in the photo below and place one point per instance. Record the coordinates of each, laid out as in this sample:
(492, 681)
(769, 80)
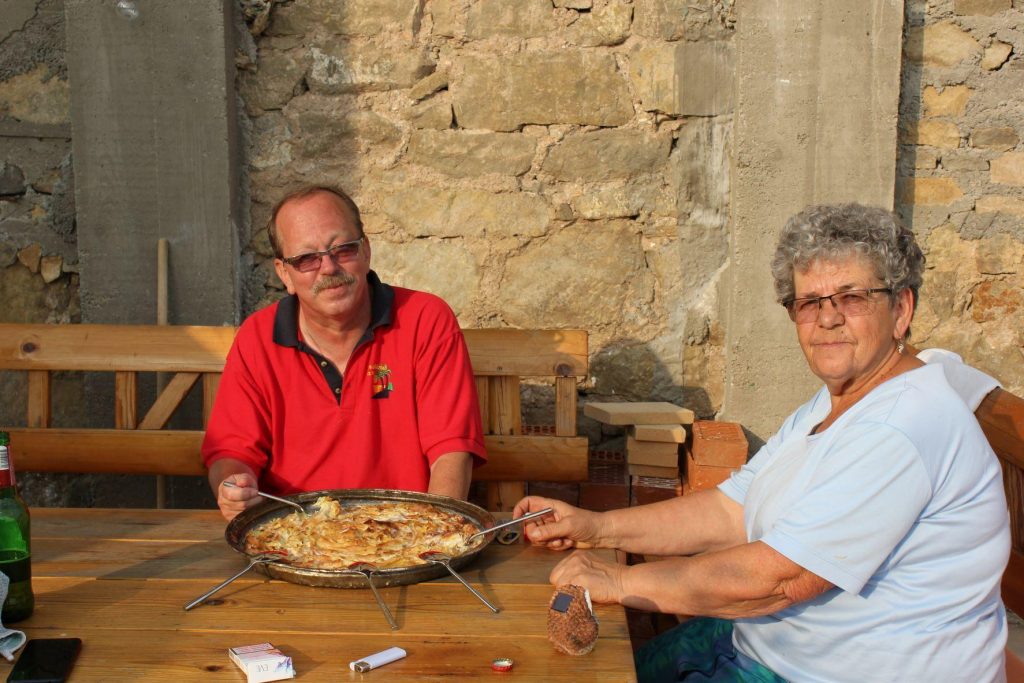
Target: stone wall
(38, 245)
(961, 185)
(541, 163)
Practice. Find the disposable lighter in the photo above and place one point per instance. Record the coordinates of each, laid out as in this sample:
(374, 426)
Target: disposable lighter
(392, 654)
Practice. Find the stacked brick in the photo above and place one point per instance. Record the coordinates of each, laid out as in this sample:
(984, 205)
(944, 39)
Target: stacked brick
(716, 451)
(655, 433)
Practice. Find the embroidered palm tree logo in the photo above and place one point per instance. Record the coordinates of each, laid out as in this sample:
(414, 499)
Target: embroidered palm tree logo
(382, 385)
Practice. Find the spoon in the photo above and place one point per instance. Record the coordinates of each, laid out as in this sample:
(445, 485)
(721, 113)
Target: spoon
(367, 569)
(264, 558)
(445, 560)
(233, 485)
(517, 520)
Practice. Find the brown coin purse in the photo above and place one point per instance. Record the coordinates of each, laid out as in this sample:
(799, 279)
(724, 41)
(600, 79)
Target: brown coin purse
(572, 626)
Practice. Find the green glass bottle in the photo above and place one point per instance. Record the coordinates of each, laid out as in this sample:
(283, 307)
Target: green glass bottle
(15, 548)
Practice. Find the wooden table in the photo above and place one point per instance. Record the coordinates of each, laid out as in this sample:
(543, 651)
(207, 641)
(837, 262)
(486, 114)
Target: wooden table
(118, 579)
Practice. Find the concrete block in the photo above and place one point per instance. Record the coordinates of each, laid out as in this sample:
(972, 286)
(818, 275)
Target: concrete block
(653, 413)
(155, 150)
(670, 433)
(540, 87)
(718, 444)
(1008, 169)
(653, 471)
(607, 155)
(655, 453)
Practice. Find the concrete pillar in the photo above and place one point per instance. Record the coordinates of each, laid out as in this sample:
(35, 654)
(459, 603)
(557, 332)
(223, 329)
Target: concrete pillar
(817, 96)
(154, 146)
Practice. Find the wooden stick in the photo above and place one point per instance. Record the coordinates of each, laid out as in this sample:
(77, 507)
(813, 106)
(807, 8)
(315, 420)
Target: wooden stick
(161, 319)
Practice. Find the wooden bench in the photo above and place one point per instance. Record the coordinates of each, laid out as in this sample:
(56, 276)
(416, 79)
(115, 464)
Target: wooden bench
(502, 359)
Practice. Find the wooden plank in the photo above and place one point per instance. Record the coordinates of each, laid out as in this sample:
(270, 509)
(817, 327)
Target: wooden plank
(169, 400)
(565, 406)
(663, 433)
(174, 348)
(211, 381)
(158, 657)
(483, 399)
(539, 458)
(1001, 415)
(528, 353)
(444, 609)
(657, 412)
(38, 398)
(108, 451)
(505, 418)
(126, 400)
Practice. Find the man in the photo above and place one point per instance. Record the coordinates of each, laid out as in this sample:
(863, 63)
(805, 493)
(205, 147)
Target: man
(347, 382)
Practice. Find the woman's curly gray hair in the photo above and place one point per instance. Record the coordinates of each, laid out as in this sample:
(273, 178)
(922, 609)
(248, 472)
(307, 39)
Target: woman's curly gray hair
(835, 232)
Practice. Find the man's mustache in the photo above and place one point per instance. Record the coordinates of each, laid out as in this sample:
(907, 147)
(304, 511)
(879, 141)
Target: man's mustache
(332, 281)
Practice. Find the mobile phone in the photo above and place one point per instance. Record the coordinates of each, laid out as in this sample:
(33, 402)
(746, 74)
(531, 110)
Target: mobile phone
(45, 660)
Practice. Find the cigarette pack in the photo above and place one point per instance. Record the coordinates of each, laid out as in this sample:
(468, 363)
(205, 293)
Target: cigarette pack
(262, 662)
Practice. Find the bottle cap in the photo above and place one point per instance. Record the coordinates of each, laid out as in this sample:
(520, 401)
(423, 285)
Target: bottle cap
(502, 664)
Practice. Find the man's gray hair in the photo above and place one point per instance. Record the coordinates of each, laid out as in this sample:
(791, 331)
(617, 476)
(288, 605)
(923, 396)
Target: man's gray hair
(836, 232)
(302, 193)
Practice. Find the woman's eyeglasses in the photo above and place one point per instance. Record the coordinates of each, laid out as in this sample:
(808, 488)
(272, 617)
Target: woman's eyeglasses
(339, 253)
(852, 302)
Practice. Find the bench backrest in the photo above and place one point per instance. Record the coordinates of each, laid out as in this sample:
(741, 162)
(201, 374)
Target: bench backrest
(1001, 415)
(501, 359)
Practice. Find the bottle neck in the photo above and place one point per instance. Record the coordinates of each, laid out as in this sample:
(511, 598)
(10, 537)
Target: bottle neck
(6, 471)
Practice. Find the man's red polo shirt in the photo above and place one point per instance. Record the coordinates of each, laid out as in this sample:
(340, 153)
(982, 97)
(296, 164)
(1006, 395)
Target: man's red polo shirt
(407, 397)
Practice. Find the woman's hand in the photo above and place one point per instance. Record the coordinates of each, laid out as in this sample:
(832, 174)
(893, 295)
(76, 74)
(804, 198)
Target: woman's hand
(562, 529)
(602, 579)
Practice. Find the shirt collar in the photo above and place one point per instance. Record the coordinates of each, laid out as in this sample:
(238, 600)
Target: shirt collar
(286, 320)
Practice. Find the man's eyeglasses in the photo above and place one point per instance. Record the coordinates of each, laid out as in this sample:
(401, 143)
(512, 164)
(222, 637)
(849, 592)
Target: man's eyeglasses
(852, 302)
(339, 253)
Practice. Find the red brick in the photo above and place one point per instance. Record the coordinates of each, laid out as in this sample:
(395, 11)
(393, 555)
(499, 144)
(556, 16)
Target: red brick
(608, 485)
(644, 490)
(701, 477)
(720, 444)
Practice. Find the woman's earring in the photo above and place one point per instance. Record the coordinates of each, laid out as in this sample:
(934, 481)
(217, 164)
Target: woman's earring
(900, 346)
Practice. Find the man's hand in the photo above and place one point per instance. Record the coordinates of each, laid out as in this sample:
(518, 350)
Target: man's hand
(602, 579)
(234, 499)
(231, 500)
(563, 528)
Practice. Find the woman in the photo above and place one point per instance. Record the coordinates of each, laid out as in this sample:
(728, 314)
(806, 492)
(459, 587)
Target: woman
(865, 541)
